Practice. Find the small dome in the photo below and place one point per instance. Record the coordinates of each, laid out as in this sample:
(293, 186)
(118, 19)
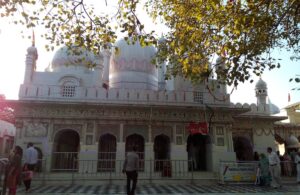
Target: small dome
(64, 57)
(292, 142)
(32, 51)
(261, 84)
(274, 109)
(132, 67)
(220, 62)
(161, 40)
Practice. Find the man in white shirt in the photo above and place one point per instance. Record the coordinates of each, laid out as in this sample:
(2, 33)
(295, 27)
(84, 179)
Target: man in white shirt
(131, 166)
(31, 158)
(274, 166)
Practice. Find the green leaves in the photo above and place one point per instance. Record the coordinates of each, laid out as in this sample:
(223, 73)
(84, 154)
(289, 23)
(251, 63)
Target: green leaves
(242, 32)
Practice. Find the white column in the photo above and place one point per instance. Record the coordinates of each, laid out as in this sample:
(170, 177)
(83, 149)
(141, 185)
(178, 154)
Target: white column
(149, 153)
(88, 157)
(229, 140)
(120, 153)
(178, 155)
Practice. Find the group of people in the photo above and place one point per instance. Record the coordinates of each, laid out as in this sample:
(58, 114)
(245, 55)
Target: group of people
(16, 172)
(270, 168)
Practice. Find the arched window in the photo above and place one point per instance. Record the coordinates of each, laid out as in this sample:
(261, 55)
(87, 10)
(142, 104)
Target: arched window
(68, 86)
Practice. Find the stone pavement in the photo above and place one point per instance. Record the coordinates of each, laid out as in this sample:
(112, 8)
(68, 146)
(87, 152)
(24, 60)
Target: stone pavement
(162, 189)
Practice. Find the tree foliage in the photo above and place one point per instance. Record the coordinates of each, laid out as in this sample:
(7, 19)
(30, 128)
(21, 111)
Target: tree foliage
(241, 31)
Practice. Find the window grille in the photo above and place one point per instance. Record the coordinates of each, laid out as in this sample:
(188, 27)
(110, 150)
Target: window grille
(68, 91)
(198, 97)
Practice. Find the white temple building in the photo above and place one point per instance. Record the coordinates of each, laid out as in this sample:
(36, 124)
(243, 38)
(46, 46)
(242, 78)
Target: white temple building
(70, 111)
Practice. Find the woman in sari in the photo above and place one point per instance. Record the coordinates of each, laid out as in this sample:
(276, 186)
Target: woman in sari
(287, 165)
(14, 170)
(264, 170)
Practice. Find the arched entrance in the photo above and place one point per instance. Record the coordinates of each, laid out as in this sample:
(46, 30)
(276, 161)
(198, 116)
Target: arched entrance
(161, 151)
(107, 152)
(196, 149)
(39, 164)
(243, 148)
(139, 142)
(66, 148)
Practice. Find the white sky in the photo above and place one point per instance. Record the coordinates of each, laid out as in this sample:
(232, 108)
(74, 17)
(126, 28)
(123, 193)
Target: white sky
(13, 50)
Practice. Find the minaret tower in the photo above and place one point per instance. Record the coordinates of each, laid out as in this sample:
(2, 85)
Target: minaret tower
(31, 58)
(220, 65)
(261, 92)
(106, 61)
(98, 70)
(162, 69)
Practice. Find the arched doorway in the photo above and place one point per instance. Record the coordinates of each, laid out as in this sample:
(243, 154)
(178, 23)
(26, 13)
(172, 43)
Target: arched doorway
(107, 152)
(243, 148)
(161, 151)
(137, 141)
(39, 164)
(66, 148)
(196, 149)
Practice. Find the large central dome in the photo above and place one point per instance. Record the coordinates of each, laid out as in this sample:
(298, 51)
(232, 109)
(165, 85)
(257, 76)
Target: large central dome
(132, 67)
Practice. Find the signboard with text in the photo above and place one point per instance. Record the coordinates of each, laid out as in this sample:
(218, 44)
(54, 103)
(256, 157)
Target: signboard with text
(198, 128)
(238, 171)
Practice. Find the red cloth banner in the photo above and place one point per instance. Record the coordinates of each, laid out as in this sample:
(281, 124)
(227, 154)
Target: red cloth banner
(196, 128)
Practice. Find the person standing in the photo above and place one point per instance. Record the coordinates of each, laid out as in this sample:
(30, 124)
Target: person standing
(31, 158)
(287, 165)
(130, 167)
(297, 161)
(14, 170)
(274, 166)
(264, 170)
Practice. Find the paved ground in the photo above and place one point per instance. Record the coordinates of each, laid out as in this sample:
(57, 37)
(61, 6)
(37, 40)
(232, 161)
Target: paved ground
(165, 189)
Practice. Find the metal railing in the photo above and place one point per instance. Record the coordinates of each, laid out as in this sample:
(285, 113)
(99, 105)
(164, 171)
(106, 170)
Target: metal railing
(73, 169)
(64, 161)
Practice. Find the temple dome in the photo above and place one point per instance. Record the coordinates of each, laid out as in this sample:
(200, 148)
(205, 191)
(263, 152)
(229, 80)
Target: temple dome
(63, 58)
(261, 84)
(292, 142)
(131, 66)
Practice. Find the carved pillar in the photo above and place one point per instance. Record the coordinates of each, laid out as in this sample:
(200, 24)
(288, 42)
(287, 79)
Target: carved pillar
(149, 133)
(121, 133)
(149, 153)
(230, 140)
(50, 149)
(120, 156)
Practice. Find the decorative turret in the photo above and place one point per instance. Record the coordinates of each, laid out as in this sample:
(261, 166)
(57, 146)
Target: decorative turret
(220, 65)
(161, 69)
(98, 70)
(261, 92)
(106, 60)
(31, 58)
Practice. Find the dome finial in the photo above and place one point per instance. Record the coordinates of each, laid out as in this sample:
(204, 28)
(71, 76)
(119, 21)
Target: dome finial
(33, 38)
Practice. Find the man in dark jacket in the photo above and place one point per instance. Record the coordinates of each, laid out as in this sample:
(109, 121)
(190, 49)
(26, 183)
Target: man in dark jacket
(131, 166)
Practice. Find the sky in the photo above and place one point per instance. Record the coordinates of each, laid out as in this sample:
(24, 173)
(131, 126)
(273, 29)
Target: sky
(12, 65)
